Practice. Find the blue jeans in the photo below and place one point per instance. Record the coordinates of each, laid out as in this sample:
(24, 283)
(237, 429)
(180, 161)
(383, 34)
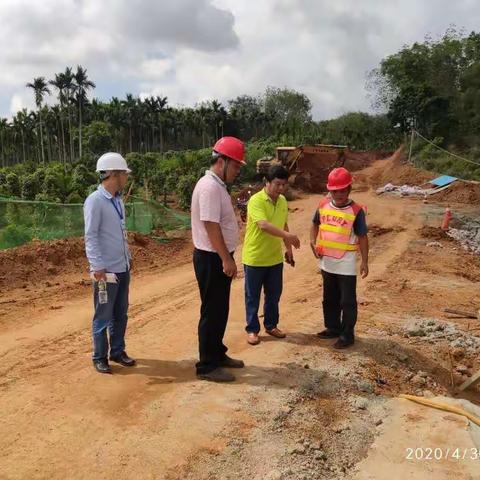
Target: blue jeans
(112, 316)
(271, 279)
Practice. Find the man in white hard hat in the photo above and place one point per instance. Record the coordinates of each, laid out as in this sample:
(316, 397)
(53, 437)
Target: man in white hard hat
(110, 261)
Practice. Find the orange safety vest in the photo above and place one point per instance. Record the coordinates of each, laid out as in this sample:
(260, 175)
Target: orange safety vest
(336, 226)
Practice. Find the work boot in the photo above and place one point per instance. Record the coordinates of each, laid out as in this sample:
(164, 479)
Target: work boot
(123, 359)
(252, 338)
(102, 366)
(343, 342)
(276, 332)
(327, 333)
(229, 362)
(218, 375)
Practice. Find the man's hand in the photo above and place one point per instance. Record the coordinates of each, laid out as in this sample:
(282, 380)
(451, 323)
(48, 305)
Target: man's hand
(291, 240)
(314, 250)
(289, 258)
(100, 275)
(364, 270)
(230, 267)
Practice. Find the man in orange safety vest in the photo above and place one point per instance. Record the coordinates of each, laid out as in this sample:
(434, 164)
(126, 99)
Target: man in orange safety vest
(339, 229)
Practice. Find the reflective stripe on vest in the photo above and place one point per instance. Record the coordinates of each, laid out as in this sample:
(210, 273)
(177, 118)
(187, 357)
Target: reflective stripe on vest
(333, 228)
(348, 247)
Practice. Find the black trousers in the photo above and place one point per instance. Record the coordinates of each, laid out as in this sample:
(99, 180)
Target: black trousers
(340, 303)
(214, 288)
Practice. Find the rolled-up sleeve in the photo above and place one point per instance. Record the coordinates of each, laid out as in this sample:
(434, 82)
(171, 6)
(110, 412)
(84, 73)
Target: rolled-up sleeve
(92, 217)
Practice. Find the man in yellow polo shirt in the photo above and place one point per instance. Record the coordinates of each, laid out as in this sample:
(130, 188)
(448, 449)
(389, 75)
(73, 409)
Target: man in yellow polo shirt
(262, 255)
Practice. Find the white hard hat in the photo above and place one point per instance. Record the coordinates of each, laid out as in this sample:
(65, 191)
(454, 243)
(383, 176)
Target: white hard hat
(112, 161)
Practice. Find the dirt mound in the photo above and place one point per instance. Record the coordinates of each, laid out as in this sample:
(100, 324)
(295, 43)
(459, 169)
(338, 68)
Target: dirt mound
(359, 160)
(397, 171)
(376, 230)
(433, 233)
(315, 170)
(460, 192)
(312, 171)
(361, 182)
(40, 262)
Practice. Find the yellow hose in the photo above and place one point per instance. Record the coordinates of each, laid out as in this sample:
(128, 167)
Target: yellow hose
(443, 406)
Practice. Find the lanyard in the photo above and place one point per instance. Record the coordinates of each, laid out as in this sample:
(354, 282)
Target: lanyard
(118, 208)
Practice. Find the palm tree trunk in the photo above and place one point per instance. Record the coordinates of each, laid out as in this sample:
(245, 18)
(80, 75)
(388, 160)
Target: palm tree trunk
(80, 127)
(64, 148)
(161, 138)
(2, 154)
(49, 146)
(70, 134)
(42, 156)
(60, 145)
(23, 147)
(130, 137)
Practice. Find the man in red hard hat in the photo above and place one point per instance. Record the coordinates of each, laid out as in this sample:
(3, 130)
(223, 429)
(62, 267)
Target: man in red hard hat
(215, 236)
(338, 231)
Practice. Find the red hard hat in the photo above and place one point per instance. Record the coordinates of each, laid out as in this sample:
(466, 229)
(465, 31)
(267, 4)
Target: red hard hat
(232, 148)
(339, 178)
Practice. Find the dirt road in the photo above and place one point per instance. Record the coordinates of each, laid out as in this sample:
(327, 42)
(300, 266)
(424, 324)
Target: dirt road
(59, 419)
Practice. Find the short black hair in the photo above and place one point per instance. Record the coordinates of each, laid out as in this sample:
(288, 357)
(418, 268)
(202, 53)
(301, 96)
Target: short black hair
(215, 157)
(277, 171)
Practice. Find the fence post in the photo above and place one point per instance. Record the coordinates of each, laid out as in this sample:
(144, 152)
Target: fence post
(133, 217)
(411, 146)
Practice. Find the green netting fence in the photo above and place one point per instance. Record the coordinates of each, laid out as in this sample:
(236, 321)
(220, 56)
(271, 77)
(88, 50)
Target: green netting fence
(22, 221)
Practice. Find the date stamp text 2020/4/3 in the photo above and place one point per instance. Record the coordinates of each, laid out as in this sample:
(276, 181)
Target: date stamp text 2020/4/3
(432, 454)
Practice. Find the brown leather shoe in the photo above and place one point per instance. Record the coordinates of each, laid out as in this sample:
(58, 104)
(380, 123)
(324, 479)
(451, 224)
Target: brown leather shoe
(276, 332)
(252, 338)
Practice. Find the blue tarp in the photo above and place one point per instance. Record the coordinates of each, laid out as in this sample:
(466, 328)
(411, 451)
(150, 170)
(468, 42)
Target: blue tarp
(443, 180)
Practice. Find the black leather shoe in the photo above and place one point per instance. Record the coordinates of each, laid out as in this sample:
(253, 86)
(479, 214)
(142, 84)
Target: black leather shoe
(102, 366)
(123, 359)
(327, 333)
(218, 375)
(229, 362)
(343, 343)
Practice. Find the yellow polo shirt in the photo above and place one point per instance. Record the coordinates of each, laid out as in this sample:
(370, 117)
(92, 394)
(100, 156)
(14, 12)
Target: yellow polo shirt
(260, 249)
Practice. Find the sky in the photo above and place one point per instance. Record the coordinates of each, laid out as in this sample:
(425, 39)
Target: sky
(196, 50)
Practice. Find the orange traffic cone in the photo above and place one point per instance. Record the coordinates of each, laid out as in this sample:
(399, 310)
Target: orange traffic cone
(446, 219)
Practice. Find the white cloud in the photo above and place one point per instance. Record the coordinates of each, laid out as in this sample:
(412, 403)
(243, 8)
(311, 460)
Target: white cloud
(20, 101)
(193, 50)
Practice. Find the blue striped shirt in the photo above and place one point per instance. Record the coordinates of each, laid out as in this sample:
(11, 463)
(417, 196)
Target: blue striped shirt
(105, 232)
